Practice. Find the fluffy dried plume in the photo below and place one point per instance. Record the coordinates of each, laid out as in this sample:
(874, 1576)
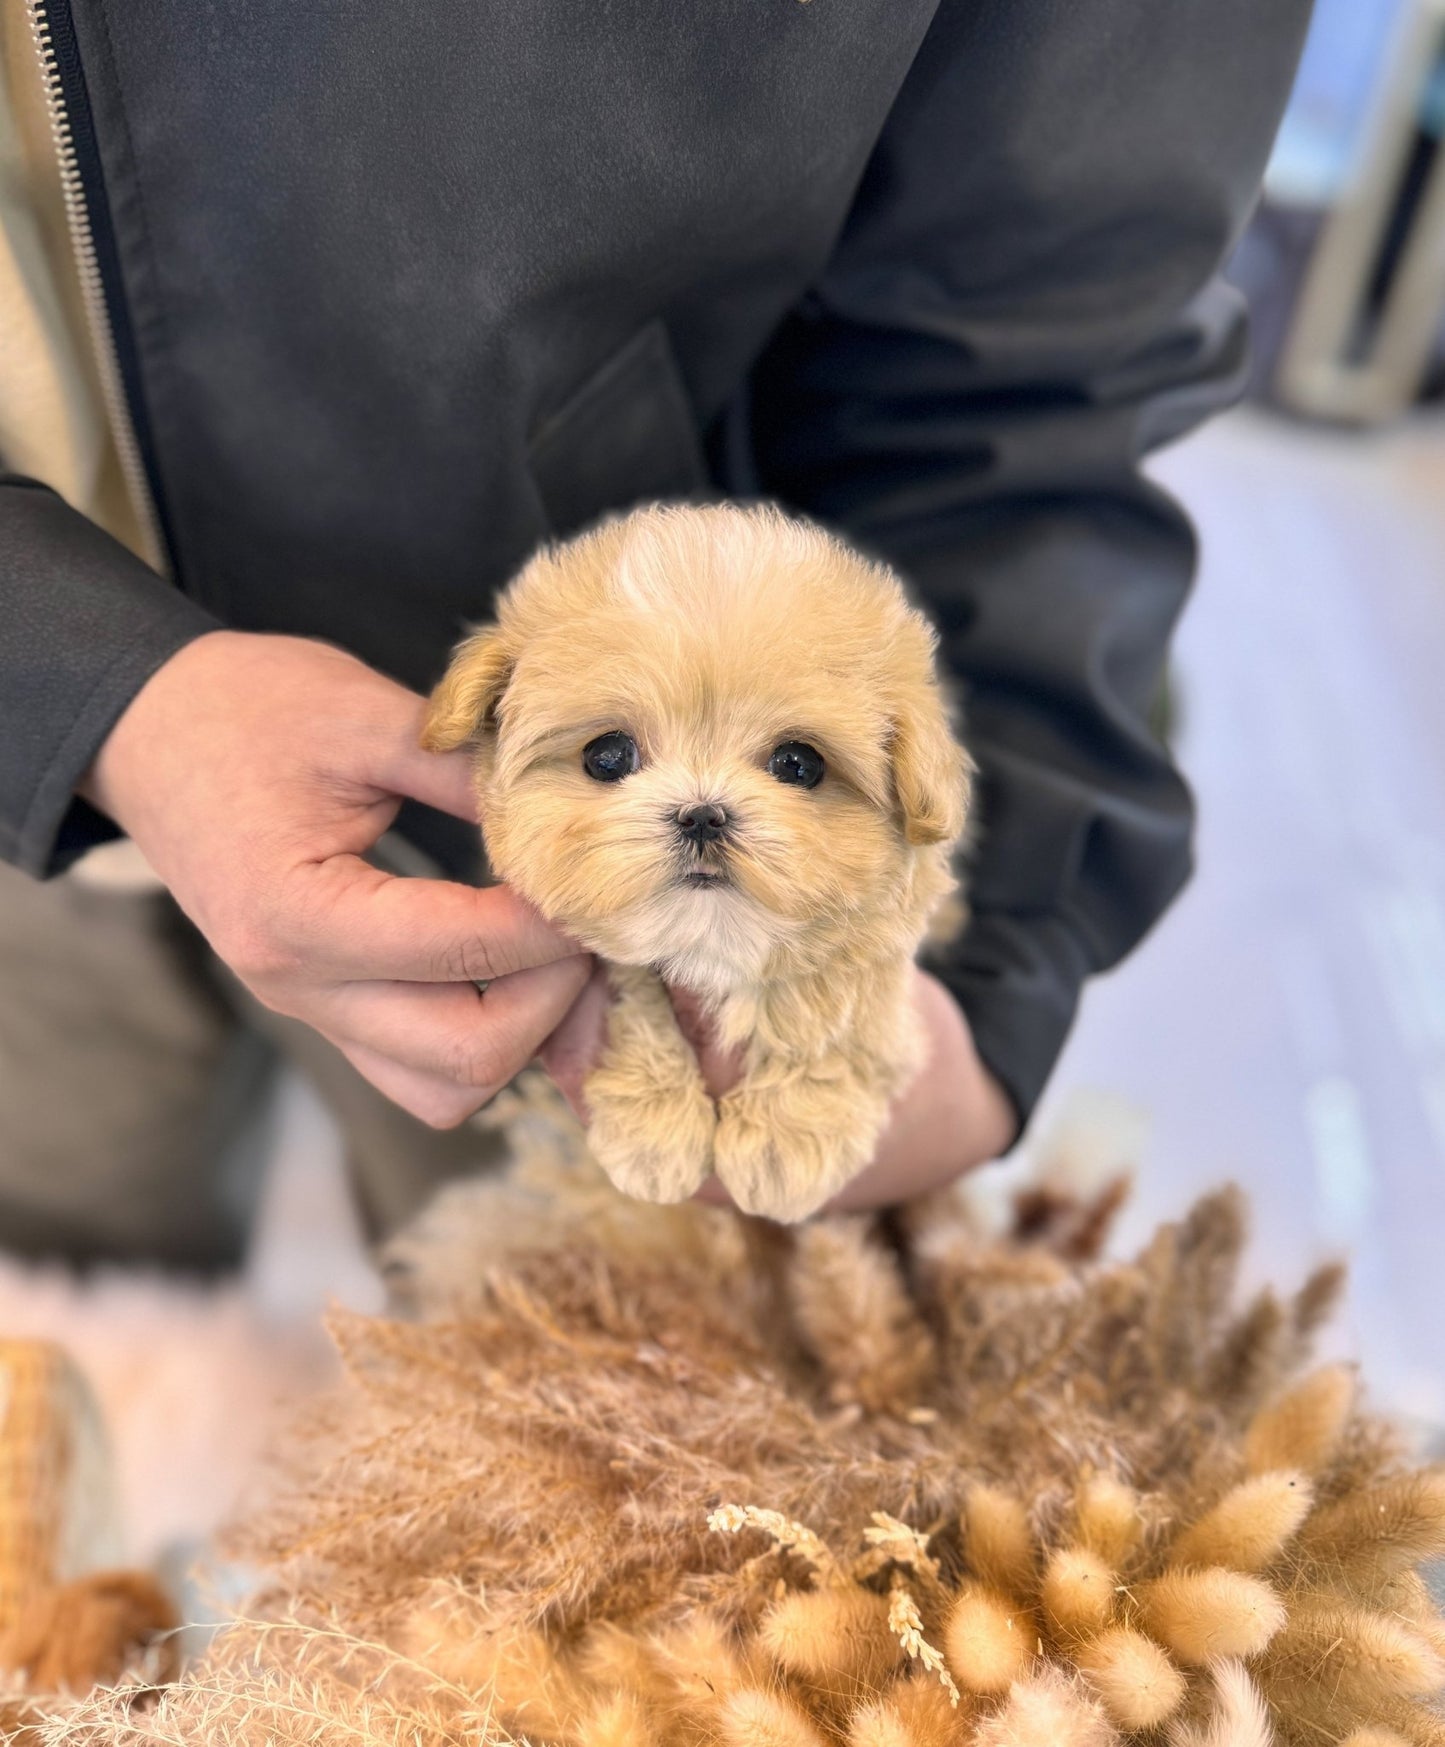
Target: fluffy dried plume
(1331, 1668)
(996, 1540)
(855, 1317)
(914, 1713)
(1238, 1717)
(1044, 1710)
(987, 1640)
(1078, 1593)
(1108, 1520)
(1370, 1536)
(619, 1721)
(1204, 1615)
(1250, 1526)
(1135, 1681)
(834, 1635)
(753, 1718)
(1303, 1428)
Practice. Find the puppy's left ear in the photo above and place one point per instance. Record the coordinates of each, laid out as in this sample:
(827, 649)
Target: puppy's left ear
(470, 690)
(932, 774)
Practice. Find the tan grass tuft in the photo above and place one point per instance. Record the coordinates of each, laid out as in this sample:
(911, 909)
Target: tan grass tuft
(1045, 1710)
(516, 1669)
(1204, 1615)
(913, 1713)
(856, 1318)
(1108, 1519)
(996, 1540)
(1420, 1725)
(697, 1662)
(1077, 1593)
(1253, 1358)
(752, 1718)
(1369, 1536)
(879, 1725)
(987, 1640)
(1239, 1717)
(619, 1721)
(839, 1635)
(1136, 1682)
(1303, 1428)
(1250, 1526)
(1346, 1665)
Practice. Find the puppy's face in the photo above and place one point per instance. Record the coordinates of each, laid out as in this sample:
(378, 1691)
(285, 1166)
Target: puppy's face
(709, 740)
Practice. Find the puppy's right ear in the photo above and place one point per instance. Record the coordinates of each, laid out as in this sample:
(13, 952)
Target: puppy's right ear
(468, 695)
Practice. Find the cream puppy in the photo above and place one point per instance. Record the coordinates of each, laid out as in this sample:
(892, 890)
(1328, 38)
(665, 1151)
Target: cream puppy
(711, 746)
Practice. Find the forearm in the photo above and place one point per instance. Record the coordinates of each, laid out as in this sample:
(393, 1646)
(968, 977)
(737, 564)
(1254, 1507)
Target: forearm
(86, 624)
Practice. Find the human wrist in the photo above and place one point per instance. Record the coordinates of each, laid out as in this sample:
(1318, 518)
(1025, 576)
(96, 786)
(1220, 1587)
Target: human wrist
(122, 757)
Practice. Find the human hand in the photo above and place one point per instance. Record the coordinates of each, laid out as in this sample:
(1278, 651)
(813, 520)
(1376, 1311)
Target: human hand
(254, 772)
(953, 1116)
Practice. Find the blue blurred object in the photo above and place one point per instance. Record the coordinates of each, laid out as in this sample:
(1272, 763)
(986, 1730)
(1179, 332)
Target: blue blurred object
(1321, 138)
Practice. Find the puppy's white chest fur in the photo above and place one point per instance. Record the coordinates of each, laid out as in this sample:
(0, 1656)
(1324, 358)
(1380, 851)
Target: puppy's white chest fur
(711, 942)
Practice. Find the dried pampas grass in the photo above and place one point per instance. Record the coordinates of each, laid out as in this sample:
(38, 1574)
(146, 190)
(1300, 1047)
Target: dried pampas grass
(661, 1477)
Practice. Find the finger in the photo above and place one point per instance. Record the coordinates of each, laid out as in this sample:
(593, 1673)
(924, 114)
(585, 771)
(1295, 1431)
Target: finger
(449, 1031)
(397, 763)
(570, 1052)
(438, 1103)
(352, 922)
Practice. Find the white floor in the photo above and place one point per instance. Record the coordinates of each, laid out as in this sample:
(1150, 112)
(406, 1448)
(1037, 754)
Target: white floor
(1284, 1026)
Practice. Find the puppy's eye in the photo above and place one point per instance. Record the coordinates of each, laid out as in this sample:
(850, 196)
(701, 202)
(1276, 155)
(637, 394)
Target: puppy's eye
(610, 757)
(794, 762)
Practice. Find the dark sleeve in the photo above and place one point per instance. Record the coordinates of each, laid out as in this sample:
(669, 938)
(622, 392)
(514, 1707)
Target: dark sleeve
(1023, 303)
(85, 625)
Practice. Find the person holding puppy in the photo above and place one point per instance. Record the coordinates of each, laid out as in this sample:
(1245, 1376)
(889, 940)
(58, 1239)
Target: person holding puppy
(350, 314)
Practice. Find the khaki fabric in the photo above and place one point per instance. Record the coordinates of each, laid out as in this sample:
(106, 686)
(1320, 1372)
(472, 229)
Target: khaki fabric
(52, 412)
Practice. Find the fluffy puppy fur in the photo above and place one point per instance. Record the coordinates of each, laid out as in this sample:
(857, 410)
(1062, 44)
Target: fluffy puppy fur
(713, 654)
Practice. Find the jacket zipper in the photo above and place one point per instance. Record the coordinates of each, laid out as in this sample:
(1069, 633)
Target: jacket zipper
(92, 285)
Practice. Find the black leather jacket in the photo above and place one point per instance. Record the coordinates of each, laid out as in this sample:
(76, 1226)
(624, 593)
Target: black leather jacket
(399, 290)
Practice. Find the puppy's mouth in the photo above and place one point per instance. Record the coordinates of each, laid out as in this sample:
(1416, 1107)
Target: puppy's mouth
(704, 865)
(703, 875)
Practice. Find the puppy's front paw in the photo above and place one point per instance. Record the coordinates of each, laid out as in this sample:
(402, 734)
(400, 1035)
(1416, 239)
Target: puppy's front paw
(784, 1152)
(654, 1145)
(654, 1142)
(652, 1121)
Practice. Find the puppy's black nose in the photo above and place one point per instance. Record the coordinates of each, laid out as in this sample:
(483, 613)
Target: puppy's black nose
(703, 822)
